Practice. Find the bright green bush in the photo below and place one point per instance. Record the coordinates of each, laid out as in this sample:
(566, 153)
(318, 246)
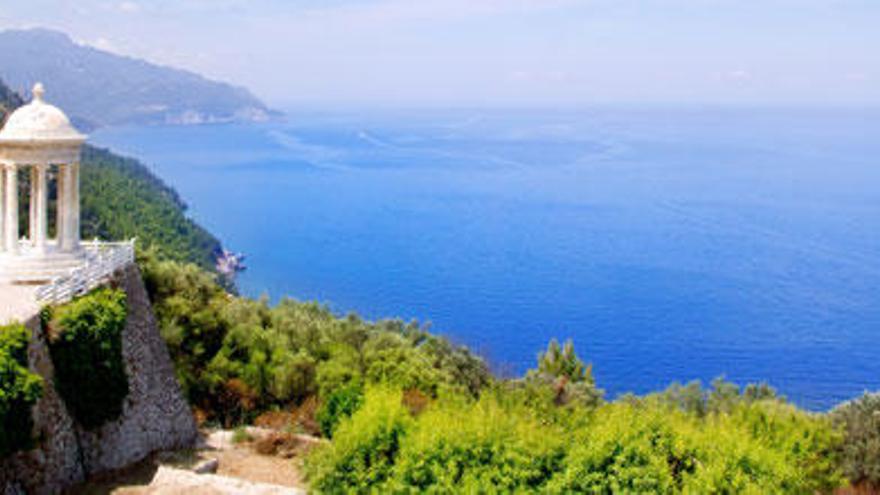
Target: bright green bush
(626, 449)
(365, 447)
(85, 343)
(462, 447)
(19, 390)
(338, 405)
(860, 450)
(760, 447)
(645, 446)
(768, 447)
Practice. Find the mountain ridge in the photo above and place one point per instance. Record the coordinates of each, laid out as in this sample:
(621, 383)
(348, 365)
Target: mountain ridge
(98, 88)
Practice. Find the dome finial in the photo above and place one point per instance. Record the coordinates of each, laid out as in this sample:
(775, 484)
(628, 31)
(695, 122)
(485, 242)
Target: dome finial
(38, 91)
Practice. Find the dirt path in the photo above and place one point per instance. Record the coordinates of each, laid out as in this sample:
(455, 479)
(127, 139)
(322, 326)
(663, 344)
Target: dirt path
(240, 469)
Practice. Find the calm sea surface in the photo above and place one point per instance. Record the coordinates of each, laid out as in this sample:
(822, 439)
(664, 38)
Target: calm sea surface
(669, 244)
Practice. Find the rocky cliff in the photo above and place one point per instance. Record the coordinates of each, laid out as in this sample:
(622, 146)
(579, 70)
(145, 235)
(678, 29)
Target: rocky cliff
(155, 415)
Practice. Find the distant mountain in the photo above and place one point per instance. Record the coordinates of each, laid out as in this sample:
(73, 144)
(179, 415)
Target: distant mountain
(98, 88)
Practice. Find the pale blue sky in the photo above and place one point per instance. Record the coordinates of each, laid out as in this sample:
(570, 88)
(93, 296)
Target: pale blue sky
(495, 52)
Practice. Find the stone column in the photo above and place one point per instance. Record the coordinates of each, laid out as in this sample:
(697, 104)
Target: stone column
(11, 209)
(75, 214)
(32, 206)
(2, 209)
(66, 234)
(61, 207)
(41, 215)
(69, 235)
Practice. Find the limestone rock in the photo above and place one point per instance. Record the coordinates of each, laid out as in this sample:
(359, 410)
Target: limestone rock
(208, 466)
(155, 415)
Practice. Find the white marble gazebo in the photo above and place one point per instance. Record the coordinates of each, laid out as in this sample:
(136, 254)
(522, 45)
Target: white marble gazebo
(39, 138)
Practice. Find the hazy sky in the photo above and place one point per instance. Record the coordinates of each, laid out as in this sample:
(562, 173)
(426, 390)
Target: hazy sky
(532, 52)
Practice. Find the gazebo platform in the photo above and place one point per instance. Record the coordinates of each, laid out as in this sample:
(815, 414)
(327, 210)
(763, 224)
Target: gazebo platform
(40, 140)
(35, 266)
(18, 303)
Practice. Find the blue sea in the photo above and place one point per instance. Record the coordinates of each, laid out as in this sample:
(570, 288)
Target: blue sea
(668, 243)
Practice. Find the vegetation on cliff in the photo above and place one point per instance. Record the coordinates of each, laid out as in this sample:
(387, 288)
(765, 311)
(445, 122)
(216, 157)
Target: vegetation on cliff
(122, 199)
(85, 343)
(408, 411)
(860, 452)
(238, 357)
(19, 390)
(498, 443)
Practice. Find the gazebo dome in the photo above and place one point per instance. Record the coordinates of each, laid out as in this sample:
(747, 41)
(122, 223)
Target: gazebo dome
(39, 121)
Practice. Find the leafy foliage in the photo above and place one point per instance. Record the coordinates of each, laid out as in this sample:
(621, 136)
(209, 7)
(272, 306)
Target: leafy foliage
(85, 342)
(721, 397)
(561, 378)
(238, 357)
(562, 362)
(189, 306)
(493, 445)
(519, 437)
(339, 404)
(19, 390)
(478, 447)
(365, 449)
(860, 452)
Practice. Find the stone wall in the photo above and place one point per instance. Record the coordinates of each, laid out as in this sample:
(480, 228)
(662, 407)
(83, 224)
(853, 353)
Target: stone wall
(155, 414)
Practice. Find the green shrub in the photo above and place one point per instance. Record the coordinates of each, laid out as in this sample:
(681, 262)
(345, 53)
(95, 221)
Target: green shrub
(19, 390)
(860, 450)
(561, 379)
(628, 450)
(462, 447)
(340, 404)
(501, 444)
(365, 447)
(85, 342)
(189, 306)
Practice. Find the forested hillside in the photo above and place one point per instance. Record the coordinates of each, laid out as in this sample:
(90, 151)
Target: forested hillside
(122, 199)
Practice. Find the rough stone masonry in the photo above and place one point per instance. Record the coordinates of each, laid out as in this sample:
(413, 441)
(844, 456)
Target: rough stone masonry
(155, 414)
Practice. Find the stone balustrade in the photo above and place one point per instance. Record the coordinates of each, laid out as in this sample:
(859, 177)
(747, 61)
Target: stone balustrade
(102, 260)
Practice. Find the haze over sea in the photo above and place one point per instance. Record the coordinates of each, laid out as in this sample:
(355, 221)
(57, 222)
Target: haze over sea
(670, 244)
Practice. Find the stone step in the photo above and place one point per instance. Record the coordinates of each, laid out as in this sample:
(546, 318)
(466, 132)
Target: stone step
(35, 273)
(175, 481)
